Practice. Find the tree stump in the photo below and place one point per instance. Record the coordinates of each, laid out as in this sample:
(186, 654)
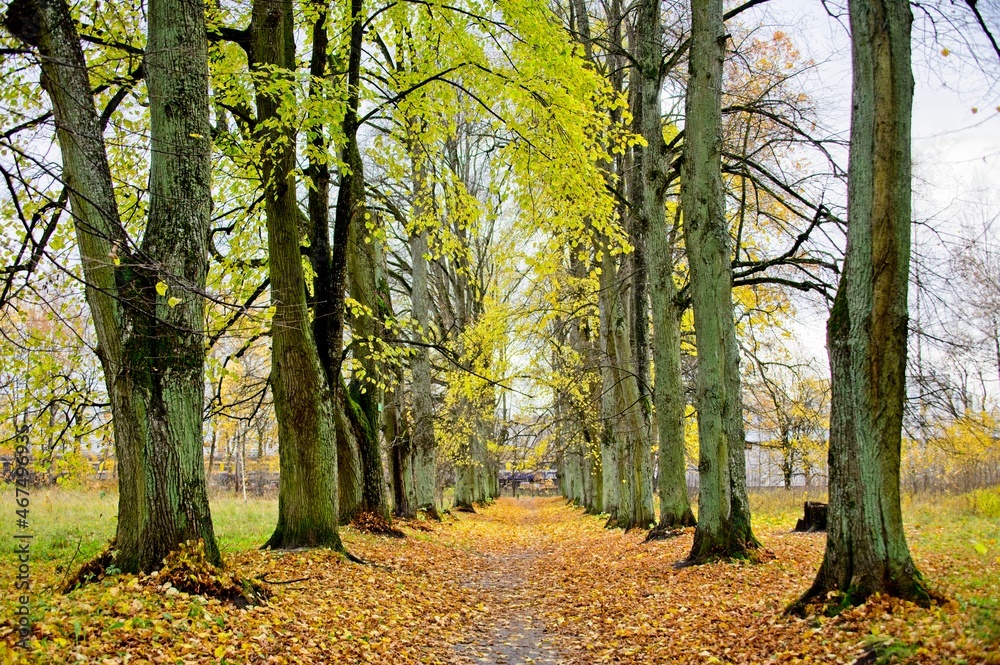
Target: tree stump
(814, 518)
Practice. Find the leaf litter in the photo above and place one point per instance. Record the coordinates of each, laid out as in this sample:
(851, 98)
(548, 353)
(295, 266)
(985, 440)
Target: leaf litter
(521, 581)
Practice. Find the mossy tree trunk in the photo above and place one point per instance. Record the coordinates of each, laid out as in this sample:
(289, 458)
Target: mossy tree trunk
(740, 529)
(582, 342)
(632, 455)
(866, 549)
(351, 261)
(400, 448)
(602, 445)
(708, 249)
(610, 483)
(675, 509)
(368, 331)
(423, 439)
(303, 401)
(152, 353)
(350, 474)
(326, 306)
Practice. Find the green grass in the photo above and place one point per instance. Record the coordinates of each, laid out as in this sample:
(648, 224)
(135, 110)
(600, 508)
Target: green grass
(984, 503)
(241, 526)
(888, 651)
(61, 520)
(780, 507)
(72, 525)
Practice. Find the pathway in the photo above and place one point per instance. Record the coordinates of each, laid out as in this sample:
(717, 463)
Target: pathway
(517, 634)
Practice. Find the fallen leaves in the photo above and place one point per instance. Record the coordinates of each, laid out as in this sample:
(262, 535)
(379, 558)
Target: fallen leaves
(521, 579)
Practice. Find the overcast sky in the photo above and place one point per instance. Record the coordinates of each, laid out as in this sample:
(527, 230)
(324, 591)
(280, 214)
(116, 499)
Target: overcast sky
(956, 151)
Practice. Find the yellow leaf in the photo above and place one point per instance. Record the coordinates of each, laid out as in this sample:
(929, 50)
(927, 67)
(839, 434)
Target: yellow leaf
(219, 650)
(161, 288)
(173, 301)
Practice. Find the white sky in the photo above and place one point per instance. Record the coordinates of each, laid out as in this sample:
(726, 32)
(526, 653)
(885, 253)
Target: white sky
(956, 152)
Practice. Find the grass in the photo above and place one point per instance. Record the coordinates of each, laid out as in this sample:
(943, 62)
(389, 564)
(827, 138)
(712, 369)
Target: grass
(955, 542)
(888, 651)
(71, 525)
(64, 518)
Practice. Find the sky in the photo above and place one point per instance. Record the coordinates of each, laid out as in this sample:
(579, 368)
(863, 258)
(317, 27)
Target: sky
(956, 151)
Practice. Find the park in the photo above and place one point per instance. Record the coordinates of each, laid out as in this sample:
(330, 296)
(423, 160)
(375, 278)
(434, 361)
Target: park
(500, 331)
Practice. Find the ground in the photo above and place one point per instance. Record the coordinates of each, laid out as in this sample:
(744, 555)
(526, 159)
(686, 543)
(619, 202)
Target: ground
(523, 581)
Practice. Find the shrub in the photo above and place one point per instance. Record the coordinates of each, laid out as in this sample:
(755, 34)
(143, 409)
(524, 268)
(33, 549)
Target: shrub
(985, 502)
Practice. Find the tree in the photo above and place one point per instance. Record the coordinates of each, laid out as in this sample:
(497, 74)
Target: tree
(424, 444)
(789, 403)
(723, 528)
(146, 301)
(866, 549)
(668, 393)
(303, 403)
(355, 263)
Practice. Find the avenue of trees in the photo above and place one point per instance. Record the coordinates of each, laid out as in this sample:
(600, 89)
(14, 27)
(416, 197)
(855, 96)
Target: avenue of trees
(411, 241)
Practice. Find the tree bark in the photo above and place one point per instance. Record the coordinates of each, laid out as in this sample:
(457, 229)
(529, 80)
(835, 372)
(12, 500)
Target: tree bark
(397, 437)
(365, 397)
(152, 353)
(741, 531)
(633, 481)
(582, 344)
(610, 483)
(675, 509)
(708, 249)
(350, 475)
(303, 401)
(327, 320)
(866, 549)
(424, 443)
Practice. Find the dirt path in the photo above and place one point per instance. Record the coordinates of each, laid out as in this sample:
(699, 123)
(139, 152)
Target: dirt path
(515, 635)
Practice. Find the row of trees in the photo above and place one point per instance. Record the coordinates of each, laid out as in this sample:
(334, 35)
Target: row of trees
(867, 333)
(511, 192)
(382, 303)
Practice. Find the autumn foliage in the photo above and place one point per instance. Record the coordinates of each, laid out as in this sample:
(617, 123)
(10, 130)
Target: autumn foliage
(522, 576)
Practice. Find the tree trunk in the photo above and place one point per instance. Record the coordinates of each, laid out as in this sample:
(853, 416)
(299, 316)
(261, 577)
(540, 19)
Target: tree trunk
(707, 243)
(465, 475)
(740, 530)
(350, 475)
(866, 549)
(152, 353)
(397, 438)
(319, 207)
(610, 482)
(363, 261)
(675, 509)
(366, 282)
(634, 474)
(303, 402)
(424, 443)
